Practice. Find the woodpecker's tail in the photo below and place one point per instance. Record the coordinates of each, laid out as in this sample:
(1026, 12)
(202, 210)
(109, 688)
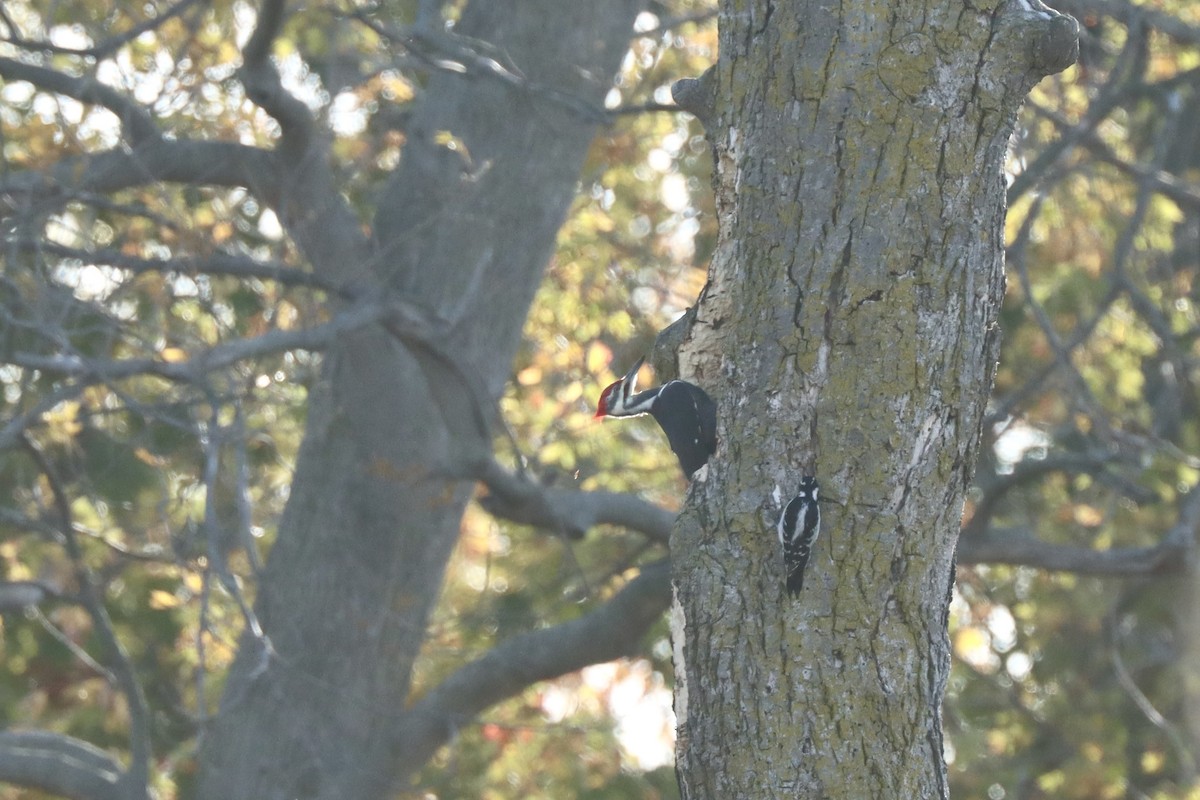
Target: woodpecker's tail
(795, 581)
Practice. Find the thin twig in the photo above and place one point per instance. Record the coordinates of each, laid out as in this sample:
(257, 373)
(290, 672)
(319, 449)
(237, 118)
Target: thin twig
(202, 630)
(1082, 393)
(455, 54)
(138, 772)
(242, 489)
(210, 441)
(106, 47)
(1124, 81)
(215, 264)
(70, 644)
(226, 354)
(1182, 751)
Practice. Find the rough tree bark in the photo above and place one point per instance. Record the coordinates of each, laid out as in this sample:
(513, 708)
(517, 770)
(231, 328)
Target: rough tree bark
(848, 330)
(375, 506)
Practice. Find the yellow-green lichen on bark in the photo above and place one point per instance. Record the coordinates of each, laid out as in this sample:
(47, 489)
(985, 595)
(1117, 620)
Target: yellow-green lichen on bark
(848, 333)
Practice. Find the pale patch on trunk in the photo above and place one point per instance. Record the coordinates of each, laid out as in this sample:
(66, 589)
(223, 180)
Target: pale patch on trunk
(923, 449)
(678, 624)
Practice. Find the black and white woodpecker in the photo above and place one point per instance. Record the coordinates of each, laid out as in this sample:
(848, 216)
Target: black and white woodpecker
(683, 410)
(799, 526)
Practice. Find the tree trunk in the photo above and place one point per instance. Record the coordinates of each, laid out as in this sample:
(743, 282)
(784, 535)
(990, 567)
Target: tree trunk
(374, 514)
(849, 332)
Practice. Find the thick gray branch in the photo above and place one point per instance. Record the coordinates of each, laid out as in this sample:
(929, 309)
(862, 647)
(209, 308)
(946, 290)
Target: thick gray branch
(59, 765)
(569, 511)
(312, 208)
(1021, 547)
(296, 182)
(1098, 463)
(197, 163)
(18, 595)
(611, 631)
(262, 82)
(136, 125)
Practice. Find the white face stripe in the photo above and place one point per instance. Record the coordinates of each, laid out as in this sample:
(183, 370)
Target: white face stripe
(625, 388)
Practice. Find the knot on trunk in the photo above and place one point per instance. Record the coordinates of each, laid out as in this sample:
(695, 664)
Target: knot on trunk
(1056, 46)
(697, 96)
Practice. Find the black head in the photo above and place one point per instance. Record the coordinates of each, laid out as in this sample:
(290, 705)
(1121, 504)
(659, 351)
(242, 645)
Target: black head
(808, 487)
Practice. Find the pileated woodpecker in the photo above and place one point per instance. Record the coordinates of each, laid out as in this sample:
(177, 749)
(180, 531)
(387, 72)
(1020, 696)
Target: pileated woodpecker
(683, 410)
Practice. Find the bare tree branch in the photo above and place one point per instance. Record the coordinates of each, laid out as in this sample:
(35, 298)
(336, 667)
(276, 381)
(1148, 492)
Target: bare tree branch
(569, 511)
(312, 208)
(226, 264)
(263, 85)
(71, 645)
(18, 595)
(1098, 464)
(222, 355)
(1129, 13)
(216, 537)
(416, 328)
(1080, 393)
(105, 48)
(453, 53)
(299, 186)
(304, 198)
(17, 426)
(644, 108)
(242, 489)
(59, 765)
(1020, 547)
(137, 126)
(200, 163)
(1007, 406)
(1183, 752)
(1123, 81)
(611, 631)
(1182, 192)
(460, 394)
(137, 777)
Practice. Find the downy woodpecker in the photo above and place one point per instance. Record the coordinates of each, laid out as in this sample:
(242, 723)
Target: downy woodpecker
(683, 410)
(799, 525)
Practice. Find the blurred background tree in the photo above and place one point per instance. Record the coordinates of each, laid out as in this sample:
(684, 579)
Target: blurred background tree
(1077, 617)
(1076, 628)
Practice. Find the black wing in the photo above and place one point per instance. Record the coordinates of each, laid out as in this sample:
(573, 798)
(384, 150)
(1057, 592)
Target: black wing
(688, 416)
(799, 527)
